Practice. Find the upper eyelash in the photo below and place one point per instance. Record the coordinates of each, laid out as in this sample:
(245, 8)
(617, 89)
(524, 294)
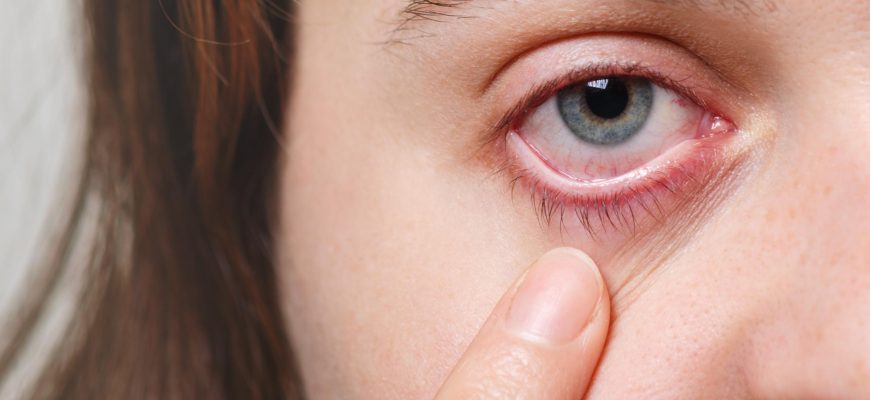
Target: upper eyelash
(541, 93)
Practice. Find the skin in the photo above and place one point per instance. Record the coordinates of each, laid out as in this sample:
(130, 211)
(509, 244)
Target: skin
(398, 239)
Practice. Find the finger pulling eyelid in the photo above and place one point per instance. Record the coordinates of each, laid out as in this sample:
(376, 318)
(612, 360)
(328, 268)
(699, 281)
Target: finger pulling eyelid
(634, 265)
(644, 223)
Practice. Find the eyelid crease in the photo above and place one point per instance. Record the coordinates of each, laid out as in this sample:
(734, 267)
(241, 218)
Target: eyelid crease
(720, 75)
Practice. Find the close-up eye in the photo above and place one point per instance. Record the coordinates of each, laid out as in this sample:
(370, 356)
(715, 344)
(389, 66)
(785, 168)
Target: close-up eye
(612, 145)
(605, 127)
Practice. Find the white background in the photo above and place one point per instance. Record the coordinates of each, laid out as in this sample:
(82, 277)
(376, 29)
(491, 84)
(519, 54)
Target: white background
(41, 115)
(40, 120)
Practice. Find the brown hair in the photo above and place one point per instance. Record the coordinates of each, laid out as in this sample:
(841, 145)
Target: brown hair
(180, 297)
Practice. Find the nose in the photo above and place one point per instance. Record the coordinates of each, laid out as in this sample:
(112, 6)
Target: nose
(816, 342)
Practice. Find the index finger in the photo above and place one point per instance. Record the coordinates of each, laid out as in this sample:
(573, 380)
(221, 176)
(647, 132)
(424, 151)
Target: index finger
(544, 337)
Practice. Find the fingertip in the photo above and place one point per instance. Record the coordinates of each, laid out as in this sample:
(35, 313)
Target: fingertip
(557, 298)
(584, 259)
(544, 338)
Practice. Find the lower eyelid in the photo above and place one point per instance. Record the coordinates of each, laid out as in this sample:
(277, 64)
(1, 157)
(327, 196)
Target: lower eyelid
(528, 156)
(624, 202)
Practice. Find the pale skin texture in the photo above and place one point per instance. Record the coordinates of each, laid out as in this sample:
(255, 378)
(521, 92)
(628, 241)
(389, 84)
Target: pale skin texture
(398, 239)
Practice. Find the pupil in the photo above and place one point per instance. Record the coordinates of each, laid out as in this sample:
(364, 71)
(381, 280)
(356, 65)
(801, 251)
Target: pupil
(607, 98)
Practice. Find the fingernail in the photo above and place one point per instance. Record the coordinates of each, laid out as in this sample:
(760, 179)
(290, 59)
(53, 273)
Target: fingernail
(557, 297)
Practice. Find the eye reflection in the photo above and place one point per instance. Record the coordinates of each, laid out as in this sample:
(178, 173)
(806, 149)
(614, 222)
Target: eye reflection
(606, 111)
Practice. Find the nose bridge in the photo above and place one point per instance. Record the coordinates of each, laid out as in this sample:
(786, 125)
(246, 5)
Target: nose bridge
(825, 156)
(826, 120)
(822, 108)
(815, 195)
(835, 156)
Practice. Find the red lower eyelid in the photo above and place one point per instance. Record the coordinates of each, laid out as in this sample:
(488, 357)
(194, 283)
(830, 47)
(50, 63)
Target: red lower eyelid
(645, 189)
(709, 127)
(680, 155)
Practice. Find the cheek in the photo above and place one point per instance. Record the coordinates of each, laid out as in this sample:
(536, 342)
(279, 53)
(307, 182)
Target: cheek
(781, 303)
(390, 258)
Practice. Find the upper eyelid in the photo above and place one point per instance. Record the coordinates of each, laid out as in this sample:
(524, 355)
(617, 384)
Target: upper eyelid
(663, 61)
(640, 36)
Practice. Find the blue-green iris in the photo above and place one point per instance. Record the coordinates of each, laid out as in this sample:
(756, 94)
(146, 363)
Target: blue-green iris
(606, 111)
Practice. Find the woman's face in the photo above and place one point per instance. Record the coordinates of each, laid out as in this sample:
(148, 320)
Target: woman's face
(435, 150)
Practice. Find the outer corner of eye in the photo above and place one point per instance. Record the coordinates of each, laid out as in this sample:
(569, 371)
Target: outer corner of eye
(616, 148)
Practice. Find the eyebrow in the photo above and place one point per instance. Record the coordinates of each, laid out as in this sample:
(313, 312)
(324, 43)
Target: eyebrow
(446, 10)
(426, 10)
(431, 9)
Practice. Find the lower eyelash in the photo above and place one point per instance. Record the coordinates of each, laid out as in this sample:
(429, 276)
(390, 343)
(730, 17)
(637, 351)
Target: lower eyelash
(656, 195)
(598, 214)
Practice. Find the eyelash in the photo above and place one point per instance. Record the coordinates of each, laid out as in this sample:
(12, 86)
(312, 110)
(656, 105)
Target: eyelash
(541, 93)
(622, 209)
